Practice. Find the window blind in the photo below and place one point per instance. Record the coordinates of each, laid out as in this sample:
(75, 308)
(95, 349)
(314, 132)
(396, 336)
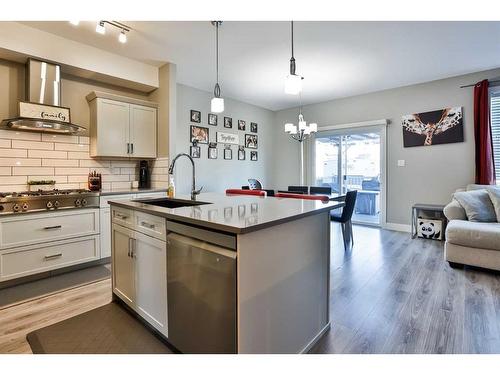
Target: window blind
(495, 131)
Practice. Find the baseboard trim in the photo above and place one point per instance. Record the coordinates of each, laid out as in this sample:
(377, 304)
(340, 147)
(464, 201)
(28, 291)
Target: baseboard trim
(398, 227)
(315, 339)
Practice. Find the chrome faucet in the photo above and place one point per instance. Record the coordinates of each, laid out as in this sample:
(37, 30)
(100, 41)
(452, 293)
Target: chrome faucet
(194, 192)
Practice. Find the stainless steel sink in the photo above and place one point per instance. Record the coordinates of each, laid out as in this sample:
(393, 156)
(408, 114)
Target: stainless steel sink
(170, 202)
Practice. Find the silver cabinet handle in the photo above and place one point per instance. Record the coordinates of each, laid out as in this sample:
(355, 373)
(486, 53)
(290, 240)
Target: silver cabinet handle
(131, 148)
(49, 257)
(129, 254)
(120, 216)
(53, 227)
(147, 225)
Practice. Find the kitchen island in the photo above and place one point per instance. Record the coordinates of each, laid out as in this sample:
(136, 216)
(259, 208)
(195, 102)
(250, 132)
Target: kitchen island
(241, 274)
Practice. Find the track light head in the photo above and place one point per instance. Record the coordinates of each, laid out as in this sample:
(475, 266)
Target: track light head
(122, 38)
(100, 29)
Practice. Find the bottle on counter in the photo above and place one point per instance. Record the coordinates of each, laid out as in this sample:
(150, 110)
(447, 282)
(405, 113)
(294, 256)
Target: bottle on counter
(171, 186)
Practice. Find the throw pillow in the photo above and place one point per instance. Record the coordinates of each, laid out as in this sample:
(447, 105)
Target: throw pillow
(494, 194)
(477, 205)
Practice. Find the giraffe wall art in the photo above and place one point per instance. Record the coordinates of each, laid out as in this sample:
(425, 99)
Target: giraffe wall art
(433, 128)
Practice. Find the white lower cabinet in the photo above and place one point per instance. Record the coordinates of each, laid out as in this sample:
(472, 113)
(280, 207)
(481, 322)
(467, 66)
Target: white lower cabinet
(140, 274)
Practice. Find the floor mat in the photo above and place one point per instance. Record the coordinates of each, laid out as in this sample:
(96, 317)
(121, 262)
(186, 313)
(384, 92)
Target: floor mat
(54, 284)
(109, 329)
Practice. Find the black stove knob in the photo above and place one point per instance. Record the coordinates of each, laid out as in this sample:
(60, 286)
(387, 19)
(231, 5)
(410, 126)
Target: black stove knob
(25, 206)
(78, 203)
(84, 202)
(15, 207)
(49, 205)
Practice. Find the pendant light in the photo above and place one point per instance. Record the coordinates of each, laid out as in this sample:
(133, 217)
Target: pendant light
(217, 104)
(293, 82)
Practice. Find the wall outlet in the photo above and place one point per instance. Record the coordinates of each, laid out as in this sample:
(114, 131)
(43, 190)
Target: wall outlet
(401, 163)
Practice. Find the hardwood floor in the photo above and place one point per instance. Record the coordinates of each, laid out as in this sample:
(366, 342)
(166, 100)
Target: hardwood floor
(390, 294)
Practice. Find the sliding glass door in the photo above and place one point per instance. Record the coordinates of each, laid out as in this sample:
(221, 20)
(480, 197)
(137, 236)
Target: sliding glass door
(351, 159)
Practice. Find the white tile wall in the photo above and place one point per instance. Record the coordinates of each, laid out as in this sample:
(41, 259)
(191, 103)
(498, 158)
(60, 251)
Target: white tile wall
(28, 156)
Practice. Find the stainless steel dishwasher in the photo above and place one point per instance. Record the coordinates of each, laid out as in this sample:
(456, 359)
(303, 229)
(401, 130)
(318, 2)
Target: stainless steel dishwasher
(201, 289)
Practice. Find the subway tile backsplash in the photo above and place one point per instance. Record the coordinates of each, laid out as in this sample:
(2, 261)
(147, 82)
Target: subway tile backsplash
(28, 156)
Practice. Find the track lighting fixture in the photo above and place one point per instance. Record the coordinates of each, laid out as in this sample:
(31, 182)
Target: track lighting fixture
(122, 38)
(100, 29)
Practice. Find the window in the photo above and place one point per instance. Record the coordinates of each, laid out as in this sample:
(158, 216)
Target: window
(495, 129)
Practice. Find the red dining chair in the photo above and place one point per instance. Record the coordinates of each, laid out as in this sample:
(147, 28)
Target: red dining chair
(260, 193)
(322, 198)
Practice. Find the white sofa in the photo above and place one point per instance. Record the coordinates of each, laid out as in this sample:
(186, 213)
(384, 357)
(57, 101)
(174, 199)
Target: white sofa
(471, 243)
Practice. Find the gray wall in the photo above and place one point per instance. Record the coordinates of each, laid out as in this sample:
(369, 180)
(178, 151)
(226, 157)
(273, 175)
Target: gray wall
(219, 174)
(431, 173)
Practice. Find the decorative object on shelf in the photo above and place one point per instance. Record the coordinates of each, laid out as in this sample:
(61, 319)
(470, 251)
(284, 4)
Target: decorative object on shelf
(195, 151)
(251, 141)
(253, 127)
(35, 185)
(228, 138)
(217, 103)
(228, 122)
(303, 133)
(228, 153)
(212, 150)
(94, 181)
(195, 116)
(434, 127)
(199, 134)
(253, 155)
(100, 28)
(293, 82)
(241, 153)
(242, 125)
(212, 119)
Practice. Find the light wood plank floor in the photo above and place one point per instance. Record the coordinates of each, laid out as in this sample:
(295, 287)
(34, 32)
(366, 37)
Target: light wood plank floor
(390, 294)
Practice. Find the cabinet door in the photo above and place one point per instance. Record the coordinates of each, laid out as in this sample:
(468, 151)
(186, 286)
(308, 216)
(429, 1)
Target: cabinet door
(143, 131)
(105, 229)
(113, 128)
(123, 263)
(151, 280)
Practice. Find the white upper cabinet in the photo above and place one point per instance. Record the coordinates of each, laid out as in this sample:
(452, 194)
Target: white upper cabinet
(121, 126)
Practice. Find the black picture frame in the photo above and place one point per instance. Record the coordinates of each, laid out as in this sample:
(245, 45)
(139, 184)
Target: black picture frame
(242, 125)
(254, 156)
(212, 151)
(196, 138)
(241, 153)
(195, 152)
(228, 122)
(252, 141)
(212, 119)
(195, 116)
(228, 154)
(253, 127)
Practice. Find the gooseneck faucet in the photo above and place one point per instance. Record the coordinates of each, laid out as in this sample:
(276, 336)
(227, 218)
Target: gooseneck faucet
(194, 192)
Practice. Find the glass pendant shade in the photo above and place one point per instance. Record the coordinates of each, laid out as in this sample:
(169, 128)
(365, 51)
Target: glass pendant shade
(293, 84)
(217, 105)
(289, 128)
(313, 127)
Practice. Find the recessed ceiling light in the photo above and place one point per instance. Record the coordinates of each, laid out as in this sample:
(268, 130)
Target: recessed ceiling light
(100, 29)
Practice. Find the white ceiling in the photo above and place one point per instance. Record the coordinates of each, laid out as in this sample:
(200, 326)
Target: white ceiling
(337, 59)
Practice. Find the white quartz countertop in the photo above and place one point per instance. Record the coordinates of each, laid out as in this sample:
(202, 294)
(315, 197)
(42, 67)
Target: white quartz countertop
(235, 213)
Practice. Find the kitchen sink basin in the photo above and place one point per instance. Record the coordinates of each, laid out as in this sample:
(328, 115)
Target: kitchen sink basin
(170, 202)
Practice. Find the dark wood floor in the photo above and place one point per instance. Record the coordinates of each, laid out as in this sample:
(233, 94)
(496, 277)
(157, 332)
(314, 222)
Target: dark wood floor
(391, 294)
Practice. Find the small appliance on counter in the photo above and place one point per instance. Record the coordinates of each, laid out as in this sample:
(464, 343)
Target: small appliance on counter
(95, 181)
(144, 177)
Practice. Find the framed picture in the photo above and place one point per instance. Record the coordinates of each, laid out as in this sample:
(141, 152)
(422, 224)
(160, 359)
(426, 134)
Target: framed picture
(251, 141)
(228, 154)
(195, 116)
(241, 153)
(212, 150)
(433, 128)
(253, 155)
(195, 151)
(253, 127)
(242, 125)
(199, 134)
(212, 119)
(228, 122)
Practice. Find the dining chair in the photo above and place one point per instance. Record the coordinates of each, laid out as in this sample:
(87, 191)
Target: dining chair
(345, 218)
(301, 189)
(320, 190)
(254, 184)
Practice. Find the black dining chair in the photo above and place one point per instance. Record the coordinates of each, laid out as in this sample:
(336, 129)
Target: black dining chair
(344, 218)
(298, 189)
(320, 190)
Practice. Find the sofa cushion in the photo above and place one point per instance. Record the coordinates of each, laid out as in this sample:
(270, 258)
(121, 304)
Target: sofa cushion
(477, 205)
(454, 211)
(494, 194)
(474, 234)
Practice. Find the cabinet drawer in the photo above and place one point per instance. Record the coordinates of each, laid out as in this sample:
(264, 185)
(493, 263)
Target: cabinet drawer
(151, 225)
(123, 217)
(104, 200)
(21, 230)
(35, 259)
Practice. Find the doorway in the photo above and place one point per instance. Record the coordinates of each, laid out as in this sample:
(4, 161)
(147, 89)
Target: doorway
(353, 159)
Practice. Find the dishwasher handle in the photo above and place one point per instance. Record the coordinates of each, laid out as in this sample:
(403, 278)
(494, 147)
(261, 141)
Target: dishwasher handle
(174, 237)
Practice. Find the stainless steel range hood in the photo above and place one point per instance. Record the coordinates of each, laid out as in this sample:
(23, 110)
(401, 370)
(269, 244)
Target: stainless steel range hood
(42, 112)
